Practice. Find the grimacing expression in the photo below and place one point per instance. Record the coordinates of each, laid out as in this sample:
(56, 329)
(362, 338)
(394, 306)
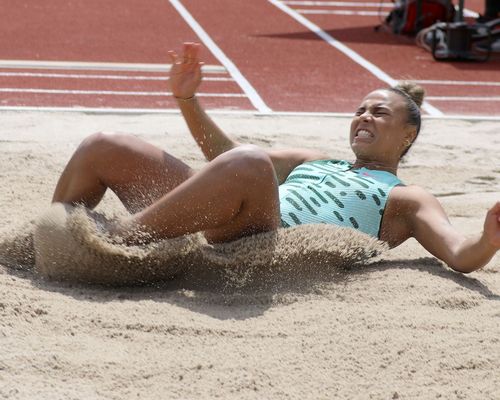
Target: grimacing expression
(379, 128)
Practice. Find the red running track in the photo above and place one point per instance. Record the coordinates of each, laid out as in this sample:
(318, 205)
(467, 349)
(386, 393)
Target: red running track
(290, 67)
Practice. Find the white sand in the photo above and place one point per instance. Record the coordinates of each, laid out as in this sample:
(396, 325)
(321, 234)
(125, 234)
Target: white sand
(406, 327)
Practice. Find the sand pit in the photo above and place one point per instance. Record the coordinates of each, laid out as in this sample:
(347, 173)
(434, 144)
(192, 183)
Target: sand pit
(401, 326)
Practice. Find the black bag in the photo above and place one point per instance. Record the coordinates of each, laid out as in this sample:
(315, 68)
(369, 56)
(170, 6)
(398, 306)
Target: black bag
(461, 41)
(410, 16)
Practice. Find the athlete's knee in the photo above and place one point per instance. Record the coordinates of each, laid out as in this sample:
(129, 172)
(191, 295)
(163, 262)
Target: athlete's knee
(250, 162)
(102, 142)
(104, 147)
(93, 150)
(257, 177)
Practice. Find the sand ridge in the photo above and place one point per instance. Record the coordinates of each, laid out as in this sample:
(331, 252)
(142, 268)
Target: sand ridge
(72, 244)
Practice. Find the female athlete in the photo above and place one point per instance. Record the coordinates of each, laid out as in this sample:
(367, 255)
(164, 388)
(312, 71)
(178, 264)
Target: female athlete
(244, 189)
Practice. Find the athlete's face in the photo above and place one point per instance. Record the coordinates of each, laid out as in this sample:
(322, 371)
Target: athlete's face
(379, 129)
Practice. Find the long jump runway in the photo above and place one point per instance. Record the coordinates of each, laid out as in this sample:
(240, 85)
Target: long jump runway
(262, 56)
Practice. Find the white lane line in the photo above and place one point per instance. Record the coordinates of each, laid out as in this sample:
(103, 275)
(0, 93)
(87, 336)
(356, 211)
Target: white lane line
(464, 98)
(339, 4)
(250, 91)
(97, 66)
(458, 83)
(274, 114)
(343, 12)
(372, 68)
(111, 92)
(110, 77)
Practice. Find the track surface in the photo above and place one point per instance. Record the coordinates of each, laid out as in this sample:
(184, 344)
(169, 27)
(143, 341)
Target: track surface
(113, 54)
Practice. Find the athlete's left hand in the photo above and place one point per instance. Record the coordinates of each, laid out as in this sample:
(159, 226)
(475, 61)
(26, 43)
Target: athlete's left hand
(492, 226)
(185, 74)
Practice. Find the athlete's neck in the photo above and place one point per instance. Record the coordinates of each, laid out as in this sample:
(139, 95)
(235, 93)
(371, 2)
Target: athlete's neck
(375, 165)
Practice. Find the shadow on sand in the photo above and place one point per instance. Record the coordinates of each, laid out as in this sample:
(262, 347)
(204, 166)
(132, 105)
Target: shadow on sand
(211, 295)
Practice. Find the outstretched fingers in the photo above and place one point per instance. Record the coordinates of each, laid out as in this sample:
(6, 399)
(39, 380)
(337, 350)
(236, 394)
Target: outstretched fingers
(189, 60)
(185, 73)
(191, 51)
(492, 225)
(495, 210)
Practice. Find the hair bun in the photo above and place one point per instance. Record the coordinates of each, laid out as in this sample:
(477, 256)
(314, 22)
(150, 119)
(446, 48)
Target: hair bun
(414, 91)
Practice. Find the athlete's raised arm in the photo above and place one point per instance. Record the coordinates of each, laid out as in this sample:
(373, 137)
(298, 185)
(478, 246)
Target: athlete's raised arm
(185, 77)
(431, 227)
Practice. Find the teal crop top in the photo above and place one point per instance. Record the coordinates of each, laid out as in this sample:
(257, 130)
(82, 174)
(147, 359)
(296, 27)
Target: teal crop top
(331, 192)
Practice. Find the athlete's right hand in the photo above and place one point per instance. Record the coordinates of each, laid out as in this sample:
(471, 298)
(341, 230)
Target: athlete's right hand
(185, 74)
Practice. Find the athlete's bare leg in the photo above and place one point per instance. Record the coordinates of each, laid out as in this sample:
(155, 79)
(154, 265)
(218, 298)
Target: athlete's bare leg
(136, 171)
(235, 195)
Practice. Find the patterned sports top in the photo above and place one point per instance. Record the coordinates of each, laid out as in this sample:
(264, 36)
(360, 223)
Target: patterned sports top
(331, 192)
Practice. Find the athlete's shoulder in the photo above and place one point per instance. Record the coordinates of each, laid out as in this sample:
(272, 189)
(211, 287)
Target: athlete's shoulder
(411, 197)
